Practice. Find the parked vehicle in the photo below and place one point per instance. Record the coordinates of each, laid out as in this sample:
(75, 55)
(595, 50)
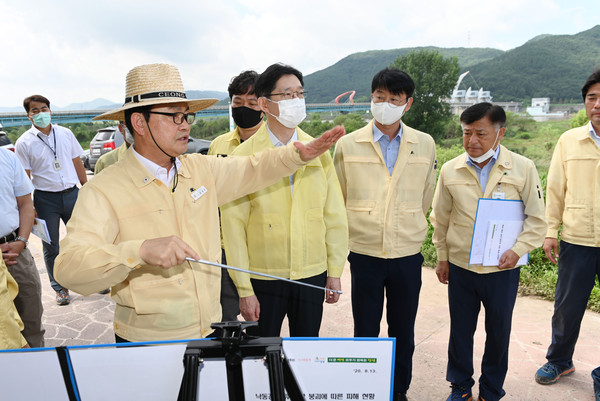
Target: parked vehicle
(85, 158)
(5, 141)
(197, 145)
(105, 140)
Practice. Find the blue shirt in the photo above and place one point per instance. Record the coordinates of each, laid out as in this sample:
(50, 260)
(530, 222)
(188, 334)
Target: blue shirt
(13, 183)
(483, 173)
(389, 149)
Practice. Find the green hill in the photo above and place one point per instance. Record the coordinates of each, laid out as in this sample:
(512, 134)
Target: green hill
(356, 71)
(552, 66)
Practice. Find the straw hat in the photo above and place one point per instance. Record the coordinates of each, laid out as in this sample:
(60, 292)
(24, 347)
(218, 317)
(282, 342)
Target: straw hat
(152, 84)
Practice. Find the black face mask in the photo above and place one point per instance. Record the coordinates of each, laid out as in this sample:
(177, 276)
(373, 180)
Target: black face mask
(246, 117)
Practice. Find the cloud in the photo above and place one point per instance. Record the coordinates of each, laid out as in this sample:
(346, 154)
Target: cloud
(74, 51)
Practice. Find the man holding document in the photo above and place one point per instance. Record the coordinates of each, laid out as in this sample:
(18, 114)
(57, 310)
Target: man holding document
(486, 170)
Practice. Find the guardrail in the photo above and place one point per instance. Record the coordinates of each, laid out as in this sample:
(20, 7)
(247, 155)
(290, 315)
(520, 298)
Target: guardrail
(85, 116)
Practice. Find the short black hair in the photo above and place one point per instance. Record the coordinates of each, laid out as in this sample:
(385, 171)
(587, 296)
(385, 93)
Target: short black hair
(268, 79)
(145, 110)
(592, 79)
(35, 98)
(494, 113)
(394, 80)
(242, 84)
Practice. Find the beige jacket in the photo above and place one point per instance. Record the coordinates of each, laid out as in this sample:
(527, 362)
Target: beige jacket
(386, 214)
(573, 189)
(455, 206)
(125, 205)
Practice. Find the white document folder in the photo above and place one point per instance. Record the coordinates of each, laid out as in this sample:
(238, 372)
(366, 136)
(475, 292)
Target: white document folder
(498, 223)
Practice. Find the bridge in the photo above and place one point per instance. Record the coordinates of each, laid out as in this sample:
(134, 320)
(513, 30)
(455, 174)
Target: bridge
(85, 116)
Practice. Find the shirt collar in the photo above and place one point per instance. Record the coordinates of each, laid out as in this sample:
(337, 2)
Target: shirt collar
(35, 131)
(377, 134)
(152, 167)
(276, 142)
(593, 132)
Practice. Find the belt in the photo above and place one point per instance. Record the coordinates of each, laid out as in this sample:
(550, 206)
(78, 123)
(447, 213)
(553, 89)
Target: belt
(9, 238)
(64, 191)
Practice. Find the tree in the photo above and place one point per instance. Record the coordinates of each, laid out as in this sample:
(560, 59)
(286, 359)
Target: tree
(435, 77)
(579, 119)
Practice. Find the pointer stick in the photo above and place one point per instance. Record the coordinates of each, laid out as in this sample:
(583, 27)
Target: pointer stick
(206, 262)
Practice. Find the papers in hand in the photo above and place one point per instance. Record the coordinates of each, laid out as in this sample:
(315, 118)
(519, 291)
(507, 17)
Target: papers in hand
(501, 236)
(40, 229)
(498, 223)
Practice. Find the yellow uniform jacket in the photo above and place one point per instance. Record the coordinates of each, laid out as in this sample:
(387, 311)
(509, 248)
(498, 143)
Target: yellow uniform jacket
(386, 214)
(291, 236)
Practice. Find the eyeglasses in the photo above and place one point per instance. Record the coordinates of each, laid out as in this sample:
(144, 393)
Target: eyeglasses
(179, 117)
(394, 101)
(290, 95)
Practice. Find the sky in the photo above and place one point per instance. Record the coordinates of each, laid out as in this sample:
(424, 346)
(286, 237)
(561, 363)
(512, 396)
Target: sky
(77, 51)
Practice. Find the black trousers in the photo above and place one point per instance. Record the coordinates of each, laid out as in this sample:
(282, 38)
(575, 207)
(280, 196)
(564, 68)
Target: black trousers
(467, 291)
(578, 267)
(303, 306)
(400, 280)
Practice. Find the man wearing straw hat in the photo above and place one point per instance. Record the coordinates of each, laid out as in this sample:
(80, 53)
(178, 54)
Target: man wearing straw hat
(135, 223)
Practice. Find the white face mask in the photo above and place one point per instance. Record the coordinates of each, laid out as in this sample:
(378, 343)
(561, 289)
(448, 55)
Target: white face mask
(491, 151)
(291, 112)
(386, 113)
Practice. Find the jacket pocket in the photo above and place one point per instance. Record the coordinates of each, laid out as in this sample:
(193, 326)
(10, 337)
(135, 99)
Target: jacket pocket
(363, 220)
(268, 239)
(315, 247)
(163, 302)
(577, 221)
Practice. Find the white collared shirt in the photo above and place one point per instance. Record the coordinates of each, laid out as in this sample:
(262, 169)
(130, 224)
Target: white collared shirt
(277, 143)
(13, 183)
(36, 153)
(594, 135)
(158, 172)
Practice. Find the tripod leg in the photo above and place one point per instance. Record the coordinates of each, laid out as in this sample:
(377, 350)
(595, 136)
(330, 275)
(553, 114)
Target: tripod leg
(189, 384)
(235, 378)
(276, 384)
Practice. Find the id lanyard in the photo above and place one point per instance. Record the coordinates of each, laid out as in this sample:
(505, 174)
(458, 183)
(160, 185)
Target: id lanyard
(56, 162)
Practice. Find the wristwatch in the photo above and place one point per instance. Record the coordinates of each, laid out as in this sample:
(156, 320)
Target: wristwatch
(19, 238)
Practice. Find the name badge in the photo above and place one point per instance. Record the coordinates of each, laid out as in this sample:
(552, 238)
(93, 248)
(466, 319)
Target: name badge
(199, 192)
(498, 195)
(56, 165)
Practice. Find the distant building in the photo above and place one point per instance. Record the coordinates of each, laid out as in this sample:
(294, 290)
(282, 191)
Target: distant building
(539, 106)
(462, 99)
(540, 110)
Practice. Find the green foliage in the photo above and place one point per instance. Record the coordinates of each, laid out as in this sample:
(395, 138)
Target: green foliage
(552, 66)
(579, 119)
(435, 77)
(209, 127)
(84, 132)
(356, 71)
(445, 154)
(351, 122)
(532, 70)
(316, 126)
(517, 124)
